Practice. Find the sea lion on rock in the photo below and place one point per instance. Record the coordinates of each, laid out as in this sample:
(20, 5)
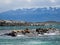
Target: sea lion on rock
(41, 31)
(13, 34)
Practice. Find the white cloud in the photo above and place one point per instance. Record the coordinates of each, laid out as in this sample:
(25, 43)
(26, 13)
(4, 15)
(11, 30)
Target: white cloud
(5, 2)
(8, 1)
(15, 4)
(28, 0)
(52, 1)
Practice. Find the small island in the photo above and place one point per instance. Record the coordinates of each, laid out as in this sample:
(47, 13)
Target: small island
(24, 23)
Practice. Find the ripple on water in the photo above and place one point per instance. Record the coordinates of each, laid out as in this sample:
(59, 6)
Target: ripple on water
(30, 41)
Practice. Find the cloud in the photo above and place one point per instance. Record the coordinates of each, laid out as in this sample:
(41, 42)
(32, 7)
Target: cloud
(8, 1)
(53, 1)
(12, 4)
(28, 0)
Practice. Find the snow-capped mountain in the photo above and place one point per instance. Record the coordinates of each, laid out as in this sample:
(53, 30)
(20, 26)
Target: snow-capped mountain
(32, 15)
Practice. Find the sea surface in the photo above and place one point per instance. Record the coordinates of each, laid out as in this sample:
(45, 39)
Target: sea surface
(42, 40)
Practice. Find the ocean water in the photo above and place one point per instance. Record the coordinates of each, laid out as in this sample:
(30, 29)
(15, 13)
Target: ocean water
(47, 40)
(43, 40)
(57, 26)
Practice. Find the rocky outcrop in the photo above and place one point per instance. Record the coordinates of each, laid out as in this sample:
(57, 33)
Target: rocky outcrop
(13, 23)
(34, 33)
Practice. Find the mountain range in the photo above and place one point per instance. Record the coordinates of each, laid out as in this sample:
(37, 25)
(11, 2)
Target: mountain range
(32, 14)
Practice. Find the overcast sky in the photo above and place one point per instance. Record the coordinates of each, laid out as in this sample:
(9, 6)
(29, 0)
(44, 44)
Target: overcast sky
(15, 4)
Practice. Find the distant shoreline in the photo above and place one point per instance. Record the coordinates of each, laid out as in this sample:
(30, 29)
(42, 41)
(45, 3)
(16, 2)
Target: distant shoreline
(23, 23)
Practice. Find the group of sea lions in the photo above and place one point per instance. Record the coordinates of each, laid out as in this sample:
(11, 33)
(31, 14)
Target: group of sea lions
(41, 31)
(15, 32)
(38, 31)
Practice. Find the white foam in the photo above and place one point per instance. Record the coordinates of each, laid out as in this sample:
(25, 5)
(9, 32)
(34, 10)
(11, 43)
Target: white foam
(40, 35)
(49, 33)
(20, 35)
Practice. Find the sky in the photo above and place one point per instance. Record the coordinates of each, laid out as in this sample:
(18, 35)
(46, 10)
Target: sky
(16, 4)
